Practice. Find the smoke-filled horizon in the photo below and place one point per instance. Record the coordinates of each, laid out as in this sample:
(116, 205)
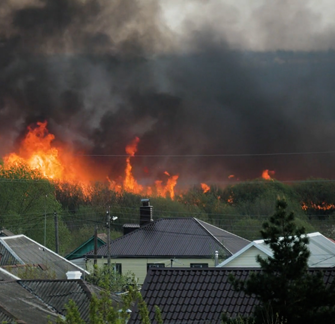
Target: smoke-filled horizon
(207, 78)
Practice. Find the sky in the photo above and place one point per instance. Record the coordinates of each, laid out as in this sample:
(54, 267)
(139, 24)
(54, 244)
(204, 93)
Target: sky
(211, 88)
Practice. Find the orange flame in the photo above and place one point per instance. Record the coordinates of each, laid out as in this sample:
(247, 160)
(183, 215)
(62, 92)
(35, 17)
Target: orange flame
(231, 176)
(205, 187)
(230, 199)
(56, 164)
(322, 206)
(129, 183)
(266, 175)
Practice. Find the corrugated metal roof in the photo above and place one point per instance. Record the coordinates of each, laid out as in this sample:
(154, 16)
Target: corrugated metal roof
(199, 296)
(174, 237)
(20, 304)
(20, 249)
(5, 316)
(57, 293)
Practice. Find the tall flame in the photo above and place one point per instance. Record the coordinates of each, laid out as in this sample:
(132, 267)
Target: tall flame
(53, 163)
(129, 183)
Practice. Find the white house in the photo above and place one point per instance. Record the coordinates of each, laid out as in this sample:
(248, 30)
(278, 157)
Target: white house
(321, 248)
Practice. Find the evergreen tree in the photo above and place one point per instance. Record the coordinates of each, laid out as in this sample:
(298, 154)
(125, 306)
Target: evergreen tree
(284, 286)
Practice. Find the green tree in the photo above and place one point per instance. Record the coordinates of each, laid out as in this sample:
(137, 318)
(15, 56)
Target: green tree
(103, 312)
(284, 286)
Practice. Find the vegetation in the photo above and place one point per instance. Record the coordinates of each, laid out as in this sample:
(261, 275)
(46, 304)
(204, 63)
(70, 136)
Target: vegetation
(102, 310)
(286, 290)
(28, 203)
(106, 278)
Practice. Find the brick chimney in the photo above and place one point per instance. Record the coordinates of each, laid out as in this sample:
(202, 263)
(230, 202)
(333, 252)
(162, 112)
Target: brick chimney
(145, 212)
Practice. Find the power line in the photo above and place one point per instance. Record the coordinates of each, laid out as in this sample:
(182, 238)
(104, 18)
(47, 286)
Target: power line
(207, 155)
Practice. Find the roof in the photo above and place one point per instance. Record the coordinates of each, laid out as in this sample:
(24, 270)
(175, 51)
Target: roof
(187, 295)
(6, 275)
(321, 248)
(200, 295)
(175, 237)
(17, 303)
(34, 301)
(57, 293)
(86, 247)
(5, 232)
(21, 250)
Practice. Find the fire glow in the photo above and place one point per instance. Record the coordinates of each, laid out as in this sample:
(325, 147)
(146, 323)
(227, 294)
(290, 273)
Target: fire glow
(59, 164)
(266, 174)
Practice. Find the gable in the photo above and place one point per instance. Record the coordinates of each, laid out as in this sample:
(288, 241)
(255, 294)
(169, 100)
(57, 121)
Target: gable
(84, 248)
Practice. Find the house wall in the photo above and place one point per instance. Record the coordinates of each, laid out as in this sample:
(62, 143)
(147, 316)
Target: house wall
(139, 266)
(246, 259)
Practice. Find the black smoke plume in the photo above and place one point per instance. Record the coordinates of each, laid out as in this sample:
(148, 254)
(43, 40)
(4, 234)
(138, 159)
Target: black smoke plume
(103, 72)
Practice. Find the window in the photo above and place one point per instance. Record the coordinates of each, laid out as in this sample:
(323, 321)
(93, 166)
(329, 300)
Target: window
(155, 265)
(117, 267)
(199, 265)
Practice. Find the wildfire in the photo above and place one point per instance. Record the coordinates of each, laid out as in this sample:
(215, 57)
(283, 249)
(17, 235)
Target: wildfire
(55, 163)
(266, 174)
(131, 185)
(205, 187)
(322, 206)
(231, 176)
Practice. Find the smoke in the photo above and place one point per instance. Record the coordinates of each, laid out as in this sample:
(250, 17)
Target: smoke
(202, 79)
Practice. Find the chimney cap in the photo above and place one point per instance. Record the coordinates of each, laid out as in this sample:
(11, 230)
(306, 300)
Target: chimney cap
(145, 200)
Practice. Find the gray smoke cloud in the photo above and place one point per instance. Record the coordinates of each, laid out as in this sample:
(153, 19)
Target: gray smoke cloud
(102, 72)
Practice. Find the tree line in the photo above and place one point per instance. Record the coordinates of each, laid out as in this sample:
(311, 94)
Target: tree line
(28, 203)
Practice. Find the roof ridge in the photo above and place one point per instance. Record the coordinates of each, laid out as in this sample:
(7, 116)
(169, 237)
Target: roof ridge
(211, 234)
(221, 229)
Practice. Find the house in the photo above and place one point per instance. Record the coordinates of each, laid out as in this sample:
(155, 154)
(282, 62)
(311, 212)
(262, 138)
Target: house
(167, 242)
(199, 296)
(41, 301)
(21, 256)
(77, 255)
(322, 253)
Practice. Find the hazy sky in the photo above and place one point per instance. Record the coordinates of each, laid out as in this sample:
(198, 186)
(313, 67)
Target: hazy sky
(258, 24)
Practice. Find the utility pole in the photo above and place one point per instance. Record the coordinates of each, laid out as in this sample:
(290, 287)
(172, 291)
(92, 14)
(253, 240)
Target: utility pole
(45, 220)
(108, 224)
(56, 232)
(95, 245)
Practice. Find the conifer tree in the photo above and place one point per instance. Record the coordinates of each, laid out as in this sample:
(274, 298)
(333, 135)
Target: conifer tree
(284, 286)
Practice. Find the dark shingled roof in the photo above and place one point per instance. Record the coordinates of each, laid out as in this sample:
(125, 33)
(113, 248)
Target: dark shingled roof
(22, 250)
(198, 296)
(175, 237)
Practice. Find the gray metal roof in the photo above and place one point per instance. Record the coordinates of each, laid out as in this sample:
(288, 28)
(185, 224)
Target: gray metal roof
(57, 293)
(20, 249)
(18, 303)
(322, 252)
(321, 248)
(174, 237)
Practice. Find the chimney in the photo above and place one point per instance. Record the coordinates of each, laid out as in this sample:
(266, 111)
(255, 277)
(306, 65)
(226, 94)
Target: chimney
(145, 212)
